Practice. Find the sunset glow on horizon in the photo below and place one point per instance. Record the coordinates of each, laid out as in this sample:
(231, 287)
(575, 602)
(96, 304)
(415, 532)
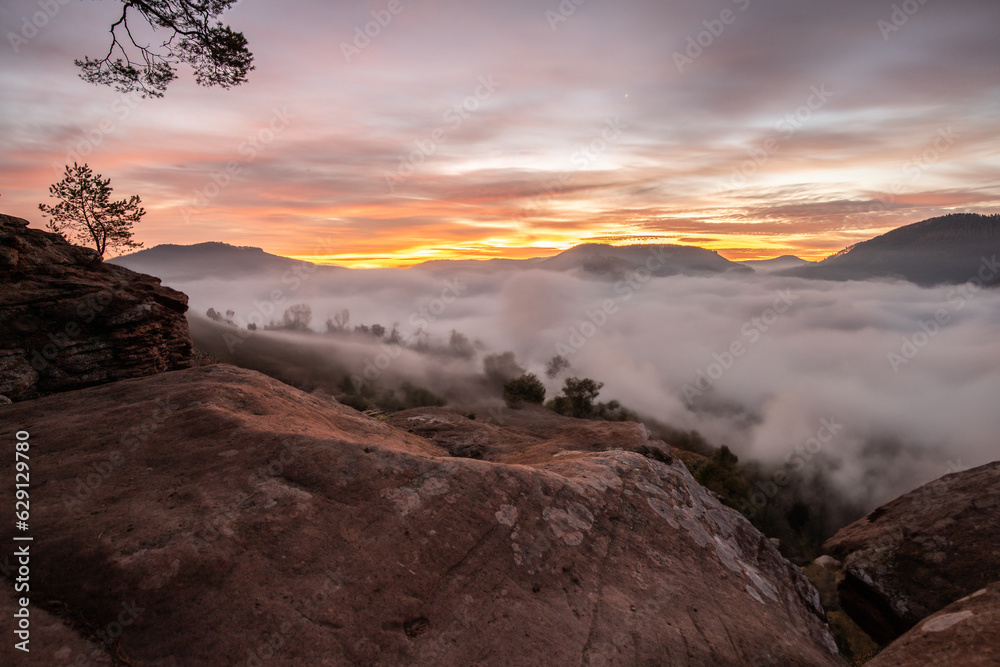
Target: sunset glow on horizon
(407, 257)
(475, 131)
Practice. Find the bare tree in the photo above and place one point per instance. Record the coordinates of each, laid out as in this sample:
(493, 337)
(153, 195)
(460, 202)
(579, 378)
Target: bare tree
(298, 317)
(339, 323)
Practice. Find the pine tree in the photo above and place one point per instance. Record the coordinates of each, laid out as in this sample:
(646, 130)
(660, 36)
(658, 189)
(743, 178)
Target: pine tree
(218, 55)
(87, 215)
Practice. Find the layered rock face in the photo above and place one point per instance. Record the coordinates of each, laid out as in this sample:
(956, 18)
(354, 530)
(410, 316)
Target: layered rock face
(243, 522)
(963, 633)
(915, 555)
(68, 320)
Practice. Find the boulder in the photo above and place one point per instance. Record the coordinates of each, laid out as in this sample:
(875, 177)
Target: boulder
(963, 633)
(241, 521)
(915, 555)
(69, 320)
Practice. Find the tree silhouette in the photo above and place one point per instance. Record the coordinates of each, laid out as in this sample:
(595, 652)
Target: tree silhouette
(85, 211)
(218, 55)
(525, 389)
(298, 317)
(556, 365)
(581, 395)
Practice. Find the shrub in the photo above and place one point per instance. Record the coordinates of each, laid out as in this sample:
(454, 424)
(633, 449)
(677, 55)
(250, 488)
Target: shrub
(556, 365)
(613, 411)
(418, 397)
(525, 389)
(460, 347)
(721, 473)
(578, 397)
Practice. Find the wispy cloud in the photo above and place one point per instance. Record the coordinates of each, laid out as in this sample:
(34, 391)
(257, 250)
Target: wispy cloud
(687, 133)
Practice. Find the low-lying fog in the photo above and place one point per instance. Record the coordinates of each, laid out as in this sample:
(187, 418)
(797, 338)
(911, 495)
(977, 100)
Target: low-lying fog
(885, 384)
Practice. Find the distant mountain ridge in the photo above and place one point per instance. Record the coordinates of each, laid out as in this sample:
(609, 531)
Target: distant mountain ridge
(945, 250)
(609, 260)
(660, 260)
(949, 249)
(204, 260)
(776, 263)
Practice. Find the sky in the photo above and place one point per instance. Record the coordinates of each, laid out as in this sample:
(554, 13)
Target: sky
(483, 129)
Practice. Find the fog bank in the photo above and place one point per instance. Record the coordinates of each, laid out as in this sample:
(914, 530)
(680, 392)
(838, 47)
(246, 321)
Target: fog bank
(885, 385)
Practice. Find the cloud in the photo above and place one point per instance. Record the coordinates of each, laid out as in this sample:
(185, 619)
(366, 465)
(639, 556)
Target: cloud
(909, 374)
(686, 133)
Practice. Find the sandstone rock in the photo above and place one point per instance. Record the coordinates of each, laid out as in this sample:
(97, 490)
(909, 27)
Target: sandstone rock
(920, 552)
(963, 633)
(527, 435)
(255, 524)
(854, 644)
(68, 320)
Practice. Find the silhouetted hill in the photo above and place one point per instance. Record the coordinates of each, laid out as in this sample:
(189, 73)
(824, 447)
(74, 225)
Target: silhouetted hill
(776, 263)
(948, 249)
(661, 260)
(205, 260)
(614, 261)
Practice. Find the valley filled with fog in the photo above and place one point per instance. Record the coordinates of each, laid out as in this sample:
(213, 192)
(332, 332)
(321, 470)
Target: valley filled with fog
(879, 385)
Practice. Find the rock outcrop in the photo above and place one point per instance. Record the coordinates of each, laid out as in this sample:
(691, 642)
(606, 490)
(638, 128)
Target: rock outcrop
(240, 521)
(68, 320)
(963, 633)
(922, 551)
(528, 435)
